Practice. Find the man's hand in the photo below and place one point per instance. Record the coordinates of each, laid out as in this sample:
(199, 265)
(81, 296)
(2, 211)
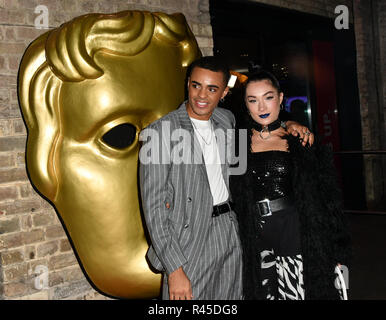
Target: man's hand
(304, 133)
(179, 286)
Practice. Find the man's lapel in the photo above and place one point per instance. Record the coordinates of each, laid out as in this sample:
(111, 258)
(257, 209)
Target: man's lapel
(196, 152)
(221, 138)
(220, 127)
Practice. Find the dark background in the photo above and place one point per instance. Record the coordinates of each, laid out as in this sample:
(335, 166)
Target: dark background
(247, 35)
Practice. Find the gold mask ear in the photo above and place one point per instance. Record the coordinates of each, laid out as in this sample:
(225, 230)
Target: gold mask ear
(175, 26)
(38, 91)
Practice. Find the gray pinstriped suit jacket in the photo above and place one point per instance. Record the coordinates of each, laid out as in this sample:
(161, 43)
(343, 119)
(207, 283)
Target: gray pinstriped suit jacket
(177, 232)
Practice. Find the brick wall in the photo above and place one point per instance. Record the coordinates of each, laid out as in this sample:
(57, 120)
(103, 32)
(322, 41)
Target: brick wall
(30, 232)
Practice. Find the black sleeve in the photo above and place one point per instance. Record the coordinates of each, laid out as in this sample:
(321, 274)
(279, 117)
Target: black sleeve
(332, 199)
(248, 232)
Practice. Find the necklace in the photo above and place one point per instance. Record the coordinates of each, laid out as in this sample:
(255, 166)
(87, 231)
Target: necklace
(266, 129)
(211, 133)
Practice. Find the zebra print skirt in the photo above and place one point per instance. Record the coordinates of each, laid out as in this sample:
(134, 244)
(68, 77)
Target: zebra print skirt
(282, 277)
(281, 259)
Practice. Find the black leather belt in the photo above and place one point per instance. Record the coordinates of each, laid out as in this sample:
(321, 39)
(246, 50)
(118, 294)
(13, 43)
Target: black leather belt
(222, 208)
(266, 207)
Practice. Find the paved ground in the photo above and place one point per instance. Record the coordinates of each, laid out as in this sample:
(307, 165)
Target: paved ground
(367, 275)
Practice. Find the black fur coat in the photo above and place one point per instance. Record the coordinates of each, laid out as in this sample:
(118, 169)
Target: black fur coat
(325, 239)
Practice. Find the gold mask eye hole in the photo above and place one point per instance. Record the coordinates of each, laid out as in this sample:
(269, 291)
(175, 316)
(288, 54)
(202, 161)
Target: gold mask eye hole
(120, 136)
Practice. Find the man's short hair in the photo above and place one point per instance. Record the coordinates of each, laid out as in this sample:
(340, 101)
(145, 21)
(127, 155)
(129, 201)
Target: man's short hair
(211, 63)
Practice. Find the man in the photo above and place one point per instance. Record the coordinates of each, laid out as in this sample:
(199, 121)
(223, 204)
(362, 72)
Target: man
(187, 206)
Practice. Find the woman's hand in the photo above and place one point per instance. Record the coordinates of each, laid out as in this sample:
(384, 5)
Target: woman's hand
(304, 133)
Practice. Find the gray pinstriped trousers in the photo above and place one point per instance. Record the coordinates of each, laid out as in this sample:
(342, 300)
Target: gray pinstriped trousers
(218, 276)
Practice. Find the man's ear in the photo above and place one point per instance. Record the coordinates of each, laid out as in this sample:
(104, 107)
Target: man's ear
(226, 90)
(38, 91)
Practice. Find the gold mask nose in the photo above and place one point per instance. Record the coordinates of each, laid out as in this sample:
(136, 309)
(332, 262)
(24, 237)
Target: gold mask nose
(86, 89)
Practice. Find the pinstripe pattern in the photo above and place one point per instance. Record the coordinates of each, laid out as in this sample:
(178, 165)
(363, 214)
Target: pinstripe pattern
(185, 234)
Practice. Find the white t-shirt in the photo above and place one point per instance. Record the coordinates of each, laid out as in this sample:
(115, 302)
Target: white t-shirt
(205, 135)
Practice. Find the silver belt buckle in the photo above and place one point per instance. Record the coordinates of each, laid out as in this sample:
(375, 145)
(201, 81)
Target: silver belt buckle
(269, 208)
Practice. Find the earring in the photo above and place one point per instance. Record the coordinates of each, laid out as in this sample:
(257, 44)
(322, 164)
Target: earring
(222, 100)
(281, 106)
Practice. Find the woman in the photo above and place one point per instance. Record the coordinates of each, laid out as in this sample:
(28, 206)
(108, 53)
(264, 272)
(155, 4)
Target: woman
(291, 227)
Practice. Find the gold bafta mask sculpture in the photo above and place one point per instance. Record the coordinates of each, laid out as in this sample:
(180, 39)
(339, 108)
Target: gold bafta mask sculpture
(86, 90)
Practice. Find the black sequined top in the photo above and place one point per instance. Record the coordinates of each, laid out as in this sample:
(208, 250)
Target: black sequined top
(272, 172)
